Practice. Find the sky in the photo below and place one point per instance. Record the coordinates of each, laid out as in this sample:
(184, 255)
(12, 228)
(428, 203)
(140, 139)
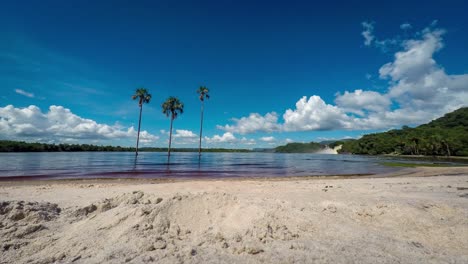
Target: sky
(278, 71)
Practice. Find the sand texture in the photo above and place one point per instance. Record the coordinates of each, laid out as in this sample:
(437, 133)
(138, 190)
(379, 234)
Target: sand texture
(370, 220)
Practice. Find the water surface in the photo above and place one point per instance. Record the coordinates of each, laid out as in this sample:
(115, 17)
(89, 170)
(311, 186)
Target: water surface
(59, 165)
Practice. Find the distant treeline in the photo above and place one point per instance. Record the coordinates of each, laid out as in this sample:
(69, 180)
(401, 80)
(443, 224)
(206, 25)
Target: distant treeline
(299, 148)
(446, 136)
(21, 146)
(192, 150)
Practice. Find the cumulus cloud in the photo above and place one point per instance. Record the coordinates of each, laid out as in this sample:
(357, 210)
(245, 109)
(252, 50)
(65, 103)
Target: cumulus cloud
(59, 124)
(145, 136)
(253, 123)
(419, 90)
(227, 137)
(358, 101)
(415, 60)
(247, 141)
(315, 114)
(418, 83)
(183, 137)
(181, 133)
(267, 139)
(23, 92)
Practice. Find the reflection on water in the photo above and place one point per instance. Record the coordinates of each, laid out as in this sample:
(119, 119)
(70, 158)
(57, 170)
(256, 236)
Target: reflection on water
(182, 165)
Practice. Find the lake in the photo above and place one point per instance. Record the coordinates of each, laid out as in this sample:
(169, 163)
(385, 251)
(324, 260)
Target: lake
(60, 165)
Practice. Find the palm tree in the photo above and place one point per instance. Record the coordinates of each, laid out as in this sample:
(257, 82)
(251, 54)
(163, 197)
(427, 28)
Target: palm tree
(143, 98)
(172, 107)
(415, 141)
(203, 92)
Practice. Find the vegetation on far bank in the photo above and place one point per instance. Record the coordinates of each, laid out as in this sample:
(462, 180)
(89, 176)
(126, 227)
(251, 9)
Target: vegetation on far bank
(415, 165)
(445, 136)
(299, 148)
(310, 147)
(21, 146)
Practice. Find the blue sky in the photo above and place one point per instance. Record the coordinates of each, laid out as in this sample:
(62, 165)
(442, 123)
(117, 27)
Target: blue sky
(277, 71)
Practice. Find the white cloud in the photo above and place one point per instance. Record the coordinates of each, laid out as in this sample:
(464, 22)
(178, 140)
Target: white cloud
(253, 123)
(145, 136)
(229, 140)
(181, 133)
(416, 58)
(419, 90)
(309, 114)
(371, 40)
(358, 101)
(421, 87)
(406, 26)
(227, 137)
(418, 83)
(59, 124)
(368, 32)
(288, 140)
(267, 139)
(184, 137)
(23, 92)
(246, 141)
(315, 114)
(393, 119)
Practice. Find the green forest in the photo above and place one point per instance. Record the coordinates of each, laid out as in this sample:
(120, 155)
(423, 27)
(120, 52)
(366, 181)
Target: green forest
(445, 136)
(21, 146)
(299, 148)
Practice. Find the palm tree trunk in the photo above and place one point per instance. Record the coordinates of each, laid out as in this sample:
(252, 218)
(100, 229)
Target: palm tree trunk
(170, 140)
(448, 148)
(138, 135)
(201, 128)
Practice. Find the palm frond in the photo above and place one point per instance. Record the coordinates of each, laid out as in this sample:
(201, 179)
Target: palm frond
(203, 92)
(172, 106)
(142, 94)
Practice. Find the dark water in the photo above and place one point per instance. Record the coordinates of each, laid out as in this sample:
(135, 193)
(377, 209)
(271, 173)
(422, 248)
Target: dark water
(182, 165)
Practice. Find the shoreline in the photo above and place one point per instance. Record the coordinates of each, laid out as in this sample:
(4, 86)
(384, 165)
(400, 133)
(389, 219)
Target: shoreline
(399, 172)
(418, 215)
(463, 159)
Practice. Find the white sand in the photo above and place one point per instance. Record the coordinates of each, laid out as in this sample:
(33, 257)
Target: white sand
(370, 220)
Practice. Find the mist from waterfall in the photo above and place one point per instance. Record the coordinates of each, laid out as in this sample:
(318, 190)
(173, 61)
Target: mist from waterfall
(328, 150)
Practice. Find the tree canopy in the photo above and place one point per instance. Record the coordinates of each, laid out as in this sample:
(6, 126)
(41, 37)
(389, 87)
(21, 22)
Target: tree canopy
(299, 148)
(142, 95)
(445, 136)
(173, 107)
(21, 146)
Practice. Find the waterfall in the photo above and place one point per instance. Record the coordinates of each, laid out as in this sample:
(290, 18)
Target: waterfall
(328, 150)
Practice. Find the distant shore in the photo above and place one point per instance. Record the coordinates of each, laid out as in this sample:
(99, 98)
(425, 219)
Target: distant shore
(415, 215)
(457, 158)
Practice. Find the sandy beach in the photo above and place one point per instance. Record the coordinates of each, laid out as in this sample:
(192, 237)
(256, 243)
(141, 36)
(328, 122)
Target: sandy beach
(414, 216)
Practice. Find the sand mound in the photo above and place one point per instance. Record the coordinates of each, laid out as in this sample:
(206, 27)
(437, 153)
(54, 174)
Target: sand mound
(137, 227)
(216, 227)
(20, 221)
